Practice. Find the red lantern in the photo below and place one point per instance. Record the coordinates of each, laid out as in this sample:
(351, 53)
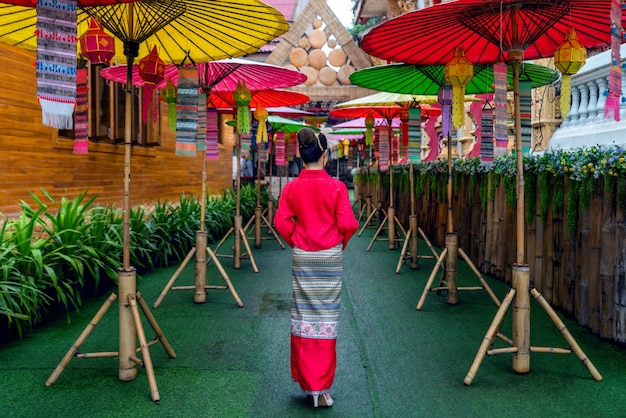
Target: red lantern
(97, 45)
(152, 71)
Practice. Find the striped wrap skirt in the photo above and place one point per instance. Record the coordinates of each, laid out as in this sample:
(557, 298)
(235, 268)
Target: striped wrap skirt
(316, 280)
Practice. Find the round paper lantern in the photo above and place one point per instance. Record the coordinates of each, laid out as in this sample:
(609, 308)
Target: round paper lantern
(344, 74)
(337, 57)
(317, 59)
(311, 74)
(298, 57)
(327, 76)
(317, 38)
(152, 71)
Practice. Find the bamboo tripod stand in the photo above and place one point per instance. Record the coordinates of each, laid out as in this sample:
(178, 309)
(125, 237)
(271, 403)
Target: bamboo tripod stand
(259, 217)
(129, 299)
(411, 237)
(450, 256)
(237, 228)
(201, 249)
(519, 295)
(389, 217)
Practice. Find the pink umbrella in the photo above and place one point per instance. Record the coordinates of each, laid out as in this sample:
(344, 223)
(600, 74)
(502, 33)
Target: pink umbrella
(360, 123)
(222, 75)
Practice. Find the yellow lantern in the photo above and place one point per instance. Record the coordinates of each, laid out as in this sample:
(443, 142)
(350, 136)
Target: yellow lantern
(346, 144)
(569, 57)
(169, 94)
(369, 126)
(261, 115)
(458, 72)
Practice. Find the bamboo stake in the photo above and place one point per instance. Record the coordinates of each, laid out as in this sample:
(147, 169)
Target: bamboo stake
(127, 287)
(177, 273)
(480, 277)
(160, 337)
(521, 318)
(429, 283)
(154, 391)
(225, 277)
(200, 281)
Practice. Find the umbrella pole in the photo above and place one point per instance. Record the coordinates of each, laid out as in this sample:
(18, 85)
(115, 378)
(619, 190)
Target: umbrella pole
(201, 250)
(520, 292)
(450, 255)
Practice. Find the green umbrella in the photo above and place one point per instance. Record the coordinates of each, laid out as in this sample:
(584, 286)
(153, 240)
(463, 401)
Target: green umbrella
(427, 79)
(280, 124)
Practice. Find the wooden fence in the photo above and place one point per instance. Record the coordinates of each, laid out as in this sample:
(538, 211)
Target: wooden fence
(576, 251)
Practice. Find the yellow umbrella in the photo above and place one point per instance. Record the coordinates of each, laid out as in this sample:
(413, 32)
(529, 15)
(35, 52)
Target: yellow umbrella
(203, 30)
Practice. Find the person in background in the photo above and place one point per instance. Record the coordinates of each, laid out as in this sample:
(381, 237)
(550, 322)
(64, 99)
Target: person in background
(315, 218)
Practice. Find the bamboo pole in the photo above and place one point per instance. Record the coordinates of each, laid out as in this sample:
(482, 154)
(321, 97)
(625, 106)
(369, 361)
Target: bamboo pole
(175, 276)
(452, 245)
(127, 331)
(429, 283)
(199, 295)
(147, 360)
(521, 318)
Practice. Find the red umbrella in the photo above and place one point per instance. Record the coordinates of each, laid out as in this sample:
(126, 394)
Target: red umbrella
(259, 98)
(488, 29)
(221, 75)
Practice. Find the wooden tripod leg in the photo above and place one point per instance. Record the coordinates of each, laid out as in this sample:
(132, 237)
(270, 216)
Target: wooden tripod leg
(407, 239)
(273, 231)
(177, 273)
(425, 238)
(380, 228)
(367, 222)
(145, 351)
(429, 283)
(489, 337)
(219, 244)
(480, 277)
(566, 334)
(245, 243)
(225, 277)
(81, 339)
(155, 326)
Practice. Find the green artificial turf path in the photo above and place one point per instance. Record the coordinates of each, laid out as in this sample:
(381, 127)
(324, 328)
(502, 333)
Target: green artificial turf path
(393, 361)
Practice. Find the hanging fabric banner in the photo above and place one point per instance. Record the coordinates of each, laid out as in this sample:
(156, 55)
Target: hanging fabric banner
(262, 150)
(56, 62)
(486, 129)
(611, 108)
(81, 140)
(245, 141)
(187, 111)
(476, 110)
(500, 88)
(433, 139)
(525, 114)
(415, 134)
(290, 152)
(382, 138)
(201, 139)
(279, 142)
(212, 140)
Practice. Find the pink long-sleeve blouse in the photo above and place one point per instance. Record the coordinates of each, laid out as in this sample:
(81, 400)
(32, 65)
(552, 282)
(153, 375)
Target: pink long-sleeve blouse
(314, 212)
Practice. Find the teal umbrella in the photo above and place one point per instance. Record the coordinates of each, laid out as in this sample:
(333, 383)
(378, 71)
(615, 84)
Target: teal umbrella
(427, 79)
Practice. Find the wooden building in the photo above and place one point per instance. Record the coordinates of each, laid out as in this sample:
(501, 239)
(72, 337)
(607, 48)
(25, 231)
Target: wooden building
(35, 157)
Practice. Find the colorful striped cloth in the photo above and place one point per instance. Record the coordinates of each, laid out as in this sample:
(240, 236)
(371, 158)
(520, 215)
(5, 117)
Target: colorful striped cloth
(187, 111)
(383, 138)
(415, 134)
(611, 107)
(202, 118)
(500, 80)
(212, 140)
(486, 140)
(56, 61)
(525, 114)
(279, 141)
(316, 279)
(245, 140)
(81, 139)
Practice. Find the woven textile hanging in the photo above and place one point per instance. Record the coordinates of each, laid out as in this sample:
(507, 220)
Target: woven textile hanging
(201, 138)
(246, 141)
(56, 62)
(415, 134)
(382, 138)
(262, 150)
(81, 140)
(187, 111)
(212, 140)
(611, 108)
(475, 109)
(433, 139)
(279, 141)
(500, 88)
(290, 152)
(486, 129)
(525, 114)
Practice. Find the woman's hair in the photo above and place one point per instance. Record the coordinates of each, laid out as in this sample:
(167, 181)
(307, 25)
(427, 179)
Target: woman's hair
(311, 145)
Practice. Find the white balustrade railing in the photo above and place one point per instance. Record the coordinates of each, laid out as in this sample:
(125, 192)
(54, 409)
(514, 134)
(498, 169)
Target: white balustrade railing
(585, 124)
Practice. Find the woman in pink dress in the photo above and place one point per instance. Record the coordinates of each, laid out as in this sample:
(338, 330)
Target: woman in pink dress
(315, 218)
